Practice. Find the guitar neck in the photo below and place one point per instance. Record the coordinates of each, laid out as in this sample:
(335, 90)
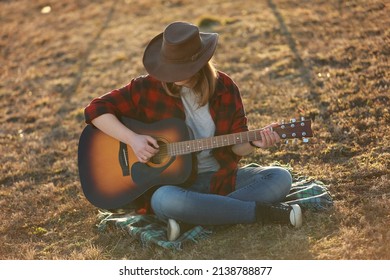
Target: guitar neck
(294, 129)
(191, 146)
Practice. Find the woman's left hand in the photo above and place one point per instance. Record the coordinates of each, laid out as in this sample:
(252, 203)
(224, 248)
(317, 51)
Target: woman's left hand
(269, 137)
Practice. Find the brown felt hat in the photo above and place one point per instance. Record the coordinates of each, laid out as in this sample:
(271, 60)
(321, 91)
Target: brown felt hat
(179, 52)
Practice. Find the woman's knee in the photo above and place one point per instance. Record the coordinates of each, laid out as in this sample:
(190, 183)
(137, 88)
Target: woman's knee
(160, 196)
(165, 199)
(286, 175)
(284, 178)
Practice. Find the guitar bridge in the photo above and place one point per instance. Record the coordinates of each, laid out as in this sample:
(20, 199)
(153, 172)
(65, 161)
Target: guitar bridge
(123, 159)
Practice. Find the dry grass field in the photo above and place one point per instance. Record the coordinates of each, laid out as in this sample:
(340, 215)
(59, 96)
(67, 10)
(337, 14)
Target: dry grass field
(325, 59)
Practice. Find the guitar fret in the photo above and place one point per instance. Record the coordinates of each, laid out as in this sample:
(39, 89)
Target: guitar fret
(171, 148)
(177, 148)
(180, 148)
(187, 146)
(174, 149)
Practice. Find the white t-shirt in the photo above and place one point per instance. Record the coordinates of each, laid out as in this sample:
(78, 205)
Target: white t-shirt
(202, 126)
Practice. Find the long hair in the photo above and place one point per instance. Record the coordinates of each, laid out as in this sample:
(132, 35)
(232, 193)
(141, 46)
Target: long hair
(202, 83)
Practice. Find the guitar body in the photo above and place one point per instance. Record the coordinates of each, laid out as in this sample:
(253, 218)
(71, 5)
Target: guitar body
(111, 175)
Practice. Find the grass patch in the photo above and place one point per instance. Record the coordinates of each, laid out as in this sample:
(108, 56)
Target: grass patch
(314, 58)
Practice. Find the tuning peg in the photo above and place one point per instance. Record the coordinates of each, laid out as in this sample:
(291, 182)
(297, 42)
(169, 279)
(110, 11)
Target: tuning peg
(302, 118)
(305, 140)
(293, 120)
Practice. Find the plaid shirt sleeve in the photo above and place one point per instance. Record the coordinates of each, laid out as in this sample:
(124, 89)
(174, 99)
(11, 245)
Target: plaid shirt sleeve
(143, 99)
(118, 102)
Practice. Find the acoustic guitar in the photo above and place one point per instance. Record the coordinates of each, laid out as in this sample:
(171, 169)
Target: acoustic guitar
(111, 175)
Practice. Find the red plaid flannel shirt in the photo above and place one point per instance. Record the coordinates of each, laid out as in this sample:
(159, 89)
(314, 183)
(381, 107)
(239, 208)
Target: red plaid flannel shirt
(145, 99)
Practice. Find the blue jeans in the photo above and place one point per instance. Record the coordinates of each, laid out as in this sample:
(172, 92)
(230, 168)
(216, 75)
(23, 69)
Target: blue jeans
(195, 205)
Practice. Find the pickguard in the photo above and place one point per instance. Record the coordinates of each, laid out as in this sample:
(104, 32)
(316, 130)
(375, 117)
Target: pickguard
(143, 174)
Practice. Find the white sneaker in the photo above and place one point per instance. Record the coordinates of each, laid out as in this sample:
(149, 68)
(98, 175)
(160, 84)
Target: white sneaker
(173, 230)
(296, 215)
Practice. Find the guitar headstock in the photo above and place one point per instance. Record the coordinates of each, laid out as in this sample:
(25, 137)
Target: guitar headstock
(295, 129)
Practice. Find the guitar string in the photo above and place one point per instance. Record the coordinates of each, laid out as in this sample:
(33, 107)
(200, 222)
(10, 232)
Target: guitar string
(186, 147)
(190, 146)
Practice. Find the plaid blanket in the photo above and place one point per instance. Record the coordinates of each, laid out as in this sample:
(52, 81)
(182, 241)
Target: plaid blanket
(149, 229)
(310, 194)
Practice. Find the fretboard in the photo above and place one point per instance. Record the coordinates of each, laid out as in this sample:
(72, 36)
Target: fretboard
(191, 146)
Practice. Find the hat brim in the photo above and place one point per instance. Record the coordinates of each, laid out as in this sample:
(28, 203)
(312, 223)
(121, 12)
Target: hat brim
(166, 71)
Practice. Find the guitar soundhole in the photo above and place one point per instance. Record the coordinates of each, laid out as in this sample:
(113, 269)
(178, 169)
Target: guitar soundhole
(162, 156)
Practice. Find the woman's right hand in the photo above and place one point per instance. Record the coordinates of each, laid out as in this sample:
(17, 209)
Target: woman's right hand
(143, 146)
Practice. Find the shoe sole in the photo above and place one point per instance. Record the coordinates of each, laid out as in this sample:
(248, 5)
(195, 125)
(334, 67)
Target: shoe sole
(296, 216)
(173, 230)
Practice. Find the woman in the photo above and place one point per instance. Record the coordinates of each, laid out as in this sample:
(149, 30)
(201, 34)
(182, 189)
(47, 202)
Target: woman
(183, 83)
